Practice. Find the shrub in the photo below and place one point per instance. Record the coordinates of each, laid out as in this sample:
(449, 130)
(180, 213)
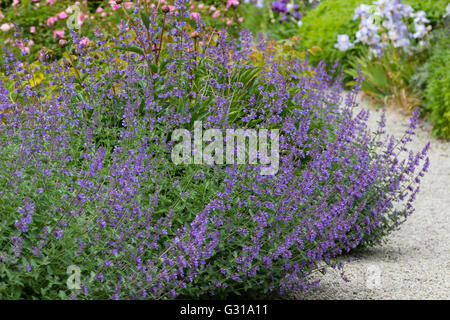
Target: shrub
(397, 42)
(387, 79)
(87, 177)
(34, 25)
(322, 25)
(437, 92)
(331, 18)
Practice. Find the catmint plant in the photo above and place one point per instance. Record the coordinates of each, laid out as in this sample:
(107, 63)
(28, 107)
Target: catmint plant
(88, 183)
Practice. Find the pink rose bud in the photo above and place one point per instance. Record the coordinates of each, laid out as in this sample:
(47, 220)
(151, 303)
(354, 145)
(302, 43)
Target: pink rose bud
(32, 29)
(58, 34)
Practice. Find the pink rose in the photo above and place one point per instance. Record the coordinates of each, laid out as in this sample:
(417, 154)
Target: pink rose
(103, 14)
(58, 34)
(195, 15)
(30, 43)
(99, 9)
(62, 15)
(50, 1)
(51, 21)
(62, 42)
(216, 14)
(201, 6)
(32, 29)
(241, 19)
(6, 27)
(231, 3)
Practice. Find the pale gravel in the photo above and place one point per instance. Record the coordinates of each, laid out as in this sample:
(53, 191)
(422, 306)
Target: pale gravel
(414, 263)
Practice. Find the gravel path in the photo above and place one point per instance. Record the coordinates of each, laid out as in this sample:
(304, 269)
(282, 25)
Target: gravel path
(414, 263)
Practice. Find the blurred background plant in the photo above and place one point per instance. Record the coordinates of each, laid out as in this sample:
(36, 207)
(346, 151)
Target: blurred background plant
(394, 42)
(432, 82)
(28, 26)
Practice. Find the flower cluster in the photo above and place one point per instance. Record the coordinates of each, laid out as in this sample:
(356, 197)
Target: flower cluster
(286, 8)
(87, 178)
(386, 22)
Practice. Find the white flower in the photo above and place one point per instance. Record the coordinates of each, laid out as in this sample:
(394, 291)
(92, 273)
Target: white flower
(259, 3)
(405, 9)
(362, 10)
(421, 31)
(403, 42)
(343, 43)
(393, 35)
(6, 27)
(447, 11)
(299, 23)
(420, 17)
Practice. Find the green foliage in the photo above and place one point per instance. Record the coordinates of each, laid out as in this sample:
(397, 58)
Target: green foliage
(267, 21)
(387, 80)
(435, 9)
(322, 25)
(437, 92)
